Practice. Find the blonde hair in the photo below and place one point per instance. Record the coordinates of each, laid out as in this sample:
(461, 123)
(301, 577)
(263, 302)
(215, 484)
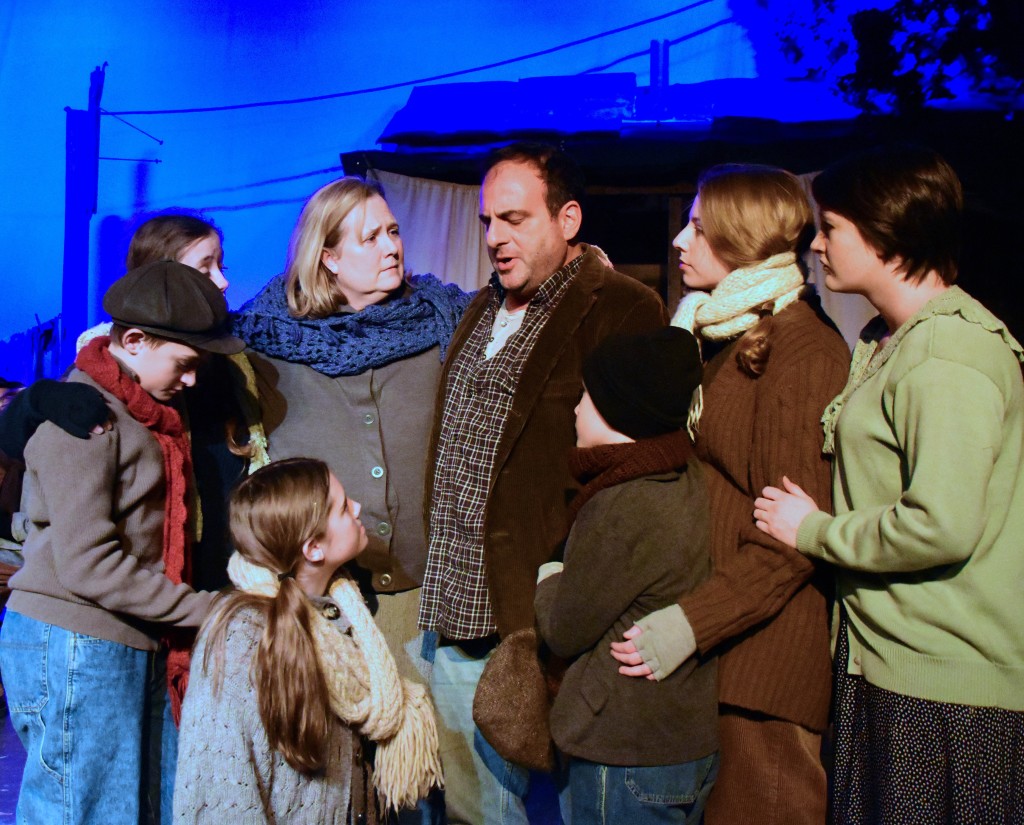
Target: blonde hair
(273, 513)
(311, 288)
(749, 213)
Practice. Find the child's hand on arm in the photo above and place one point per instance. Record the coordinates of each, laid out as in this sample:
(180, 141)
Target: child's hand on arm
(625, 653)
(656, 645)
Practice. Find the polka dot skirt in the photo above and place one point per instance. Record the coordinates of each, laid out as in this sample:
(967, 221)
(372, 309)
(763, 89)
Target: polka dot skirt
(905, 760)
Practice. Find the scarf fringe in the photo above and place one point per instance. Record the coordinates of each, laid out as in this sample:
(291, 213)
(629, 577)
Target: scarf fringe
(248, 394)
(408, 764)
(366, 691)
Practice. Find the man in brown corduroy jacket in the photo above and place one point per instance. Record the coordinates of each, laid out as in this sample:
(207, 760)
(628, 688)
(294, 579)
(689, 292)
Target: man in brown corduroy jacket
(500, 484)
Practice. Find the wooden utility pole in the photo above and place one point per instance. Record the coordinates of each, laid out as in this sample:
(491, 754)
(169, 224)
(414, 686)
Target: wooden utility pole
(81, 183)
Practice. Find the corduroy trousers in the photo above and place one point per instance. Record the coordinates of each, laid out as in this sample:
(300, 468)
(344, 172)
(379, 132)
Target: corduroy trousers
(770, 773)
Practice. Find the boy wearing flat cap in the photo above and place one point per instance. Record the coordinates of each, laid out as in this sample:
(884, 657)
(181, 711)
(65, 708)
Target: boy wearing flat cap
(639, 751)
(106, 561)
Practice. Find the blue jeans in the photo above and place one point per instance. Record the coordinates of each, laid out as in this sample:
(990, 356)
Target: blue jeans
(609, 795)
(77, 703)
(481, 788)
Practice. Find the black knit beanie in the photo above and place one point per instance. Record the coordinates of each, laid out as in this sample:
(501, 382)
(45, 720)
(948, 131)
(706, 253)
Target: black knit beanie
(642, 384)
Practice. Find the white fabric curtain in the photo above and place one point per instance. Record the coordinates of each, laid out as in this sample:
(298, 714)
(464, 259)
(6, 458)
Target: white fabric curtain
(440, 226)
(849, 312)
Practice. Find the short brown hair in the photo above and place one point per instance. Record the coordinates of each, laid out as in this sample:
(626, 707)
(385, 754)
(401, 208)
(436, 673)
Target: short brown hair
(906, 201)
(166, 236)
(562, 177)
(117, 333)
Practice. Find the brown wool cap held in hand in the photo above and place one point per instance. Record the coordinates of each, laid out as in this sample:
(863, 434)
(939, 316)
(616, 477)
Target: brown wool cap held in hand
(174, 301)
(642, 384)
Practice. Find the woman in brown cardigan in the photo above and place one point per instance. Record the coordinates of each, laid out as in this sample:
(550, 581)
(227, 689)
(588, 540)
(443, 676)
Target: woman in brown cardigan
(773, 362)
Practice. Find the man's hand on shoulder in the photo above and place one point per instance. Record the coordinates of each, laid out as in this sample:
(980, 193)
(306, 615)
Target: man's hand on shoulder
(78, 409)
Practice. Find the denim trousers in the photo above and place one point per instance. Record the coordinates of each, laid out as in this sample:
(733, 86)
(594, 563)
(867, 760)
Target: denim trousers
(78, 705)
(481, 788)
(610, 795)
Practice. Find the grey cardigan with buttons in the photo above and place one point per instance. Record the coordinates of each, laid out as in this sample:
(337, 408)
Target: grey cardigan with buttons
(372, 430)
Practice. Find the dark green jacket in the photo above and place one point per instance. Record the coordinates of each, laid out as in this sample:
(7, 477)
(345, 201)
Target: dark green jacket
(634, 548)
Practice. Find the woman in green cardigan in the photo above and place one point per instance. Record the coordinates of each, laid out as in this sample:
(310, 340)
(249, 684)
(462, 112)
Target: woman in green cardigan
(928, 489)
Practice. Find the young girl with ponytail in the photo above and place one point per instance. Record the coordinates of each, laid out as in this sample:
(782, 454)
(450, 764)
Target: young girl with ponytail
(291, 673)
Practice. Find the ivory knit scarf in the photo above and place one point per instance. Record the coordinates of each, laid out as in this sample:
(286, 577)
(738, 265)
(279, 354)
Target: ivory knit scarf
(165, 424)
(729, 309)
(366, 690)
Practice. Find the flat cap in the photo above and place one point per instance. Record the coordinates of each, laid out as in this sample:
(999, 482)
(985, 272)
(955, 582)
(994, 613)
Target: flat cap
(174, 301)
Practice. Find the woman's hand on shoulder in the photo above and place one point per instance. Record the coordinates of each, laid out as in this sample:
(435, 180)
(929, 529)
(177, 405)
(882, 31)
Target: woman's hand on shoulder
(779, 512)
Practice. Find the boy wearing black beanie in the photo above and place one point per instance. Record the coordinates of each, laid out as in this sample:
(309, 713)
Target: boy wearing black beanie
(639, 750)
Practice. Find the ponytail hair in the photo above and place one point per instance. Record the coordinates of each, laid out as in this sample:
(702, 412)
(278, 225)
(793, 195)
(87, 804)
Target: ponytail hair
(755, 345)
(274, 512)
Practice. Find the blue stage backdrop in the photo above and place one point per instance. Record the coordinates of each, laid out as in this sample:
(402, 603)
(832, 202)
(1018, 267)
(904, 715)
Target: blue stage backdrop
(184, 120)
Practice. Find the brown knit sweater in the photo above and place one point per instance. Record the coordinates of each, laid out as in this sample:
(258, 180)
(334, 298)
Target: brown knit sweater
(764, 608)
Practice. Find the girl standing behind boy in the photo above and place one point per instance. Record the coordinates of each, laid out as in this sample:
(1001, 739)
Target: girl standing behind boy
(641, 751)
(292, 669)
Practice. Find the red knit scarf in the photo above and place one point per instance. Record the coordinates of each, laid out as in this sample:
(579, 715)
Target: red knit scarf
(165, 424)
(606, 465)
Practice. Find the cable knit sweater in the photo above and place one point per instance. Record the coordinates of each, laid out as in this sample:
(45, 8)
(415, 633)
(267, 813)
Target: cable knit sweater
(764, 607)
(227, 772)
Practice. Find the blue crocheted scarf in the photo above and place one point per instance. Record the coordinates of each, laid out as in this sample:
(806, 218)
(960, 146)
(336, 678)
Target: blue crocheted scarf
(422, 316)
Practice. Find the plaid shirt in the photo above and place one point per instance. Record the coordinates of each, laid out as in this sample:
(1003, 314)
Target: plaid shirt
(478, 398)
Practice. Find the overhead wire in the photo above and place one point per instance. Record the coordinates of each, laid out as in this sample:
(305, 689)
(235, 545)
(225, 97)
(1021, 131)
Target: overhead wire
(421, 80)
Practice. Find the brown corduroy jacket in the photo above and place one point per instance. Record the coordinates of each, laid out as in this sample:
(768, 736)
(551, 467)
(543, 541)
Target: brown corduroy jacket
(764, 609)
(531, 486)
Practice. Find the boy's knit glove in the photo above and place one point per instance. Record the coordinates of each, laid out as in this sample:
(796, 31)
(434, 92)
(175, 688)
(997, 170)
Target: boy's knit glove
(75, 408)
(667, 640)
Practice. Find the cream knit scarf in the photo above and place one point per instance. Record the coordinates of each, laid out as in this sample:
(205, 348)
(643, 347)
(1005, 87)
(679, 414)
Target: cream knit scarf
(366, 690)
(729, 310)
